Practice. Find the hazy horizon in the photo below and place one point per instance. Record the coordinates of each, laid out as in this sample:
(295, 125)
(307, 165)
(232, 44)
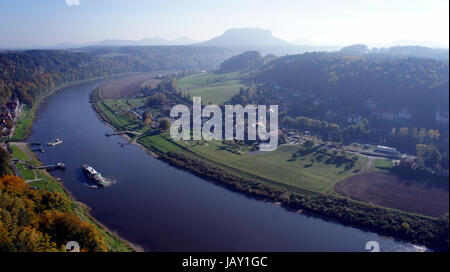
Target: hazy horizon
(372, 22)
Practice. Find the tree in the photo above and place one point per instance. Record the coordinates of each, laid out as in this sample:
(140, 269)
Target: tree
(429, 154)
(164, 124)
(156, 99)
(5, 167)
(147, 117)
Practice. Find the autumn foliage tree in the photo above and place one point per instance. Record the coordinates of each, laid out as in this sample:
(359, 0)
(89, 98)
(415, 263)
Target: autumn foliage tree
(37, 220)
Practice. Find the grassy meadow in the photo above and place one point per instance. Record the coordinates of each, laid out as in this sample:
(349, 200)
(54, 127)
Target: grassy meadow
(212, 88)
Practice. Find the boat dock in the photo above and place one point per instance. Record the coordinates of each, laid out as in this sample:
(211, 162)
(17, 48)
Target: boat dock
(59, 165)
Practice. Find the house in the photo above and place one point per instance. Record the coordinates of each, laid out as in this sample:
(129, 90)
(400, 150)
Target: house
(13, 107)
(386, 150)
(442, 117)
(354, 119)
(385, 114)
(404, 114)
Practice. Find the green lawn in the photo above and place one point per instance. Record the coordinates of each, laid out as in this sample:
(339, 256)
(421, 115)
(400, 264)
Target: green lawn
(202, 79)
(217, 93)
(158, 142)
(121, 121)
(212, 88)
(17, 153)
(277, 165)
(23, 124)
(384, 165)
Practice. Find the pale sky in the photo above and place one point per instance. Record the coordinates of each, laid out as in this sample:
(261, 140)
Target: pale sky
(25, 23)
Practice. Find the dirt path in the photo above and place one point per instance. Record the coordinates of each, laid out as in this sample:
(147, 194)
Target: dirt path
(24, 147)
(369, 163)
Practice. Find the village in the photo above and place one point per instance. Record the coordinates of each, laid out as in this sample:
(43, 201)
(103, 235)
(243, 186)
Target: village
(9, 113)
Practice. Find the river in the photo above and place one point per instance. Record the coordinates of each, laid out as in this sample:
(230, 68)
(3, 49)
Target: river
(161, 208)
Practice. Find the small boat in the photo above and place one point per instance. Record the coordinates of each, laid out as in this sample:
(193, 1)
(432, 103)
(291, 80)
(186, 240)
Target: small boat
(41, 150)
(56, 142)
(93, 175)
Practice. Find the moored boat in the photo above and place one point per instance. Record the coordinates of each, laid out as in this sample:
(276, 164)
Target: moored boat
(56, 142)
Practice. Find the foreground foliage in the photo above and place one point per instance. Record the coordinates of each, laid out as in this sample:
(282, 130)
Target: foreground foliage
(35, 220)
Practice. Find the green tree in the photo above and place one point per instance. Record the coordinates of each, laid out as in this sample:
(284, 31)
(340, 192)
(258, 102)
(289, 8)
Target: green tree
(164, 124)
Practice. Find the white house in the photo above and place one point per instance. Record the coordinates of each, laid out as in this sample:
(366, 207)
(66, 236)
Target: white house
(404, 114)
(442, 117)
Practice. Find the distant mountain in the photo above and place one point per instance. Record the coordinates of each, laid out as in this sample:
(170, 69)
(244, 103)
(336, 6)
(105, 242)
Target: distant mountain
(397, 51)
(142, 42)
(414, 51)
(355, 50)
(245, 37)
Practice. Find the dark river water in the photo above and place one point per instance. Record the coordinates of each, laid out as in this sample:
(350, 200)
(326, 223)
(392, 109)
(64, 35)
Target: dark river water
(161, 208)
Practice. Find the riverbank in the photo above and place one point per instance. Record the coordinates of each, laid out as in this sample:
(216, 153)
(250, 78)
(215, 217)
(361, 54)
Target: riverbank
(45, 181)
(24, 123)
(404, 226)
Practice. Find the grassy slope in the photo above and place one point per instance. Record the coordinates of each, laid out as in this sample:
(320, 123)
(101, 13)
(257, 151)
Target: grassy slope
(213, 88)
(278, 166)
(23, 124)
(202, 79)
(217, 93)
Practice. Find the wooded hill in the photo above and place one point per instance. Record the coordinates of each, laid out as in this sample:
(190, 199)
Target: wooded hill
(26, 74)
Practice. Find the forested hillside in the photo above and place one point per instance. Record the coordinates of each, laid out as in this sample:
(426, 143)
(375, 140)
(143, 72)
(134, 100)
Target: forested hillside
(26, 74)
(419, 85)
(38, 220)
(247, 60)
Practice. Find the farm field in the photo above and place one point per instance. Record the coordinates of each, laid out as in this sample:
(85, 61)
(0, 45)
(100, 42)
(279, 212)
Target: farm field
(397, 192)
(202, 79)
(128, 85)
(212, 88)
(217, 93)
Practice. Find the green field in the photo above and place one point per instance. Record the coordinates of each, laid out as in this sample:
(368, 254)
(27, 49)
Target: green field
(212, 88)
(217, 93)
(202, 79)
(23, 124)
(384, 165)
(278, 165)
(119, 119)
(158, 142)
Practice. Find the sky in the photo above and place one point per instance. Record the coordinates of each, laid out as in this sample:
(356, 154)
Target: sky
(34, 23)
